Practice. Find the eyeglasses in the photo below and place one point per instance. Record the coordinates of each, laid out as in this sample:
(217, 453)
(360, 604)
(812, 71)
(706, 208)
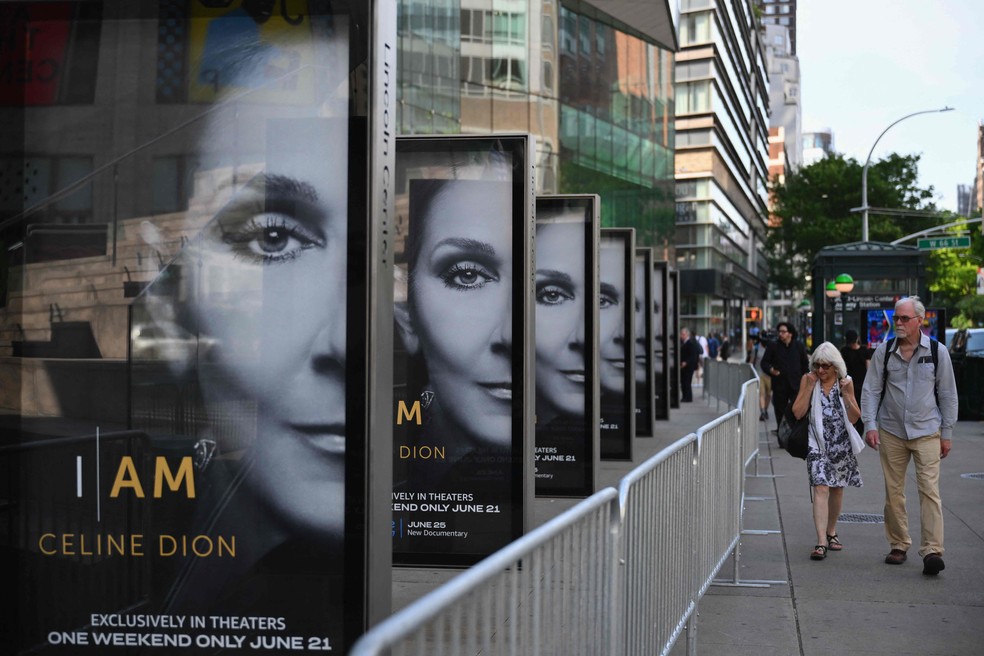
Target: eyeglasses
(783, 330)
(822, 366)
(902, 318)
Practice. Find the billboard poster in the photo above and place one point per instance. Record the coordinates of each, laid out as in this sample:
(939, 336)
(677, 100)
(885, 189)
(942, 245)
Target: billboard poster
(566, 309)
(643, 360)
(673, 335)
(463, 434)
(229, 504)
(661, 378)
(616, 341)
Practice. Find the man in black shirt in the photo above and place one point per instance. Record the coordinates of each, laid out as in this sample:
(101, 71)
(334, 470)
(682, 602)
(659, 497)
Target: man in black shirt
(856, 357)
(786, 361)
(690, 352)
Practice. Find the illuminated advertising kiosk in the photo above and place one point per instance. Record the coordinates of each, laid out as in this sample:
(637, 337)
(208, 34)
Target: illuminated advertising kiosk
(187, 462)
(616, 341)
(463, 360)
(566, 308)
(643, 360)
(661, 377)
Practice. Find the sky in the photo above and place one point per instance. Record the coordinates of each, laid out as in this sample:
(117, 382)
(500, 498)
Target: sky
(866, 63)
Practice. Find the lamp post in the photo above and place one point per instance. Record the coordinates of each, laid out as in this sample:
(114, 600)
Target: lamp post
(864, 171)
(844, 283)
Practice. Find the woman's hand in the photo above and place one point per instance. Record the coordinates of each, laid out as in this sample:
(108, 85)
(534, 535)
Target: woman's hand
(847, 386)
(801, 405)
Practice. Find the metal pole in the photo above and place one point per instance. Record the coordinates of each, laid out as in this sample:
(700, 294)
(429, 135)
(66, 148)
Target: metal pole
(864, 171)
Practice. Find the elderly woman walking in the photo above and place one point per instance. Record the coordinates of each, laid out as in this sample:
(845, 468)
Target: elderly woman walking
(827, 394)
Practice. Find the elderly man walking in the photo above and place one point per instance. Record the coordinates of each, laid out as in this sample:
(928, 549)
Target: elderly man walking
(909, 406)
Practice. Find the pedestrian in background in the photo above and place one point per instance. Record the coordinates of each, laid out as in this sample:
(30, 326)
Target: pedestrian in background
(827, 394)
(689, 360)
(713, 346)
(725, 347)
(909, 405)
(704, 353)
(786, 361)
(857, 358)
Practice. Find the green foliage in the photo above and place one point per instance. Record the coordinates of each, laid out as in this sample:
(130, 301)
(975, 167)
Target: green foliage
(813, 207)
(953, 279)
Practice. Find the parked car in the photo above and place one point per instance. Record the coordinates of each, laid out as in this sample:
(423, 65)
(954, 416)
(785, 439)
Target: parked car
(967, 353)
(964, 341)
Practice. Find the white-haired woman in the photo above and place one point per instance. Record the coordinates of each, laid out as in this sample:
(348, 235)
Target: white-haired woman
(827, 394)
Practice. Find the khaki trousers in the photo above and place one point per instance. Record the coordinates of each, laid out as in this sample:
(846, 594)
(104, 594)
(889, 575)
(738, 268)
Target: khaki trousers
(925, 452)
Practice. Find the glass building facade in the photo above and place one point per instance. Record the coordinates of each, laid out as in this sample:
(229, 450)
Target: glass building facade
(599, 100)
(721, 175)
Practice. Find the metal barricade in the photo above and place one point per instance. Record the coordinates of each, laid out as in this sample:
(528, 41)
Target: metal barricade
(657, 548)
(550, 592)
(622, 572)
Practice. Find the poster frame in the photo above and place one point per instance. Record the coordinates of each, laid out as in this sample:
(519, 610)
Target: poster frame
(521, 148)
(365, 541)
(673, 338)
(621, 450)
(589, 454)
(661, 374)
(644, 403)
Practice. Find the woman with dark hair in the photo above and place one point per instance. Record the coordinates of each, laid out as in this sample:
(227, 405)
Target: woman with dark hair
(785, 360)
(856, 359)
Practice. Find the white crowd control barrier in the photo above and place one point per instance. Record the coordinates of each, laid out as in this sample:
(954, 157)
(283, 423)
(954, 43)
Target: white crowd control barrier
(620, 573)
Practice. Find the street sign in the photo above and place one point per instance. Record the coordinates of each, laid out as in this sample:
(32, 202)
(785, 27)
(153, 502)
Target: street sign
(943, 242)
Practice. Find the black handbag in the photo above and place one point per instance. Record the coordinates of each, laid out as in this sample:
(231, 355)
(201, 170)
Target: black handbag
(794, 434)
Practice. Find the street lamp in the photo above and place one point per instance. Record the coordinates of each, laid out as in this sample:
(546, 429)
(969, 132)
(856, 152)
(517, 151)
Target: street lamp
(832, 291)
(844, 283)
(864, 171)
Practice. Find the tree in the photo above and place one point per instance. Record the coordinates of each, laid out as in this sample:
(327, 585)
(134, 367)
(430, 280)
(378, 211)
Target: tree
(812, 210)
(953, 280)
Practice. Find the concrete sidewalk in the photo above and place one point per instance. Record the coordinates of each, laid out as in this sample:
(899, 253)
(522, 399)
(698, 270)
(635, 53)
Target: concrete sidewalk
(852, 602)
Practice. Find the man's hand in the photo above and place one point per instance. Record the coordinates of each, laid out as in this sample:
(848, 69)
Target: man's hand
(944, 448)
(871, 439)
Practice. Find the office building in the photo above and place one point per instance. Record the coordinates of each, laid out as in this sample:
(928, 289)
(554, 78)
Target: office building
(721, 174)
(596, 93)
(963, 199)
(785, 111)
(817, 145)
(781, 13)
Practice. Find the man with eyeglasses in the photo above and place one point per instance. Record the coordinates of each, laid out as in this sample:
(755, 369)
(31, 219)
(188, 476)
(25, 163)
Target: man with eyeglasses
(785, 360)
(909, 406)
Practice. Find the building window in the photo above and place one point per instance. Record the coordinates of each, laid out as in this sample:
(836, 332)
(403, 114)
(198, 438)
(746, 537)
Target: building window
(547, 33)
(548, 82)
(693, 97)
(568, 30)
(584, 35)
(695, 28)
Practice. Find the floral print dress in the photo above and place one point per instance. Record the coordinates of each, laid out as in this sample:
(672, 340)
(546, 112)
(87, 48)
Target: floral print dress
(836, 465)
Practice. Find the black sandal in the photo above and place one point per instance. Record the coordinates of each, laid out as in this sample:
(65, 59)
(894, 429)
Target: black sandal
(834, 543)
(819, 552)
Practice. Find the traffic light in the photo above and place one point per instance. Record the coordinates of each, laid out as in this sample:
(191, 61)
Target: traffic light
(753, 314)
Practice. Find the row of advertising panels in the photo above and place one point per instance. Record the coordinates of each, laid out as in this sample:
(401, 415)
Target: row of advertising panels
(369, 351)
